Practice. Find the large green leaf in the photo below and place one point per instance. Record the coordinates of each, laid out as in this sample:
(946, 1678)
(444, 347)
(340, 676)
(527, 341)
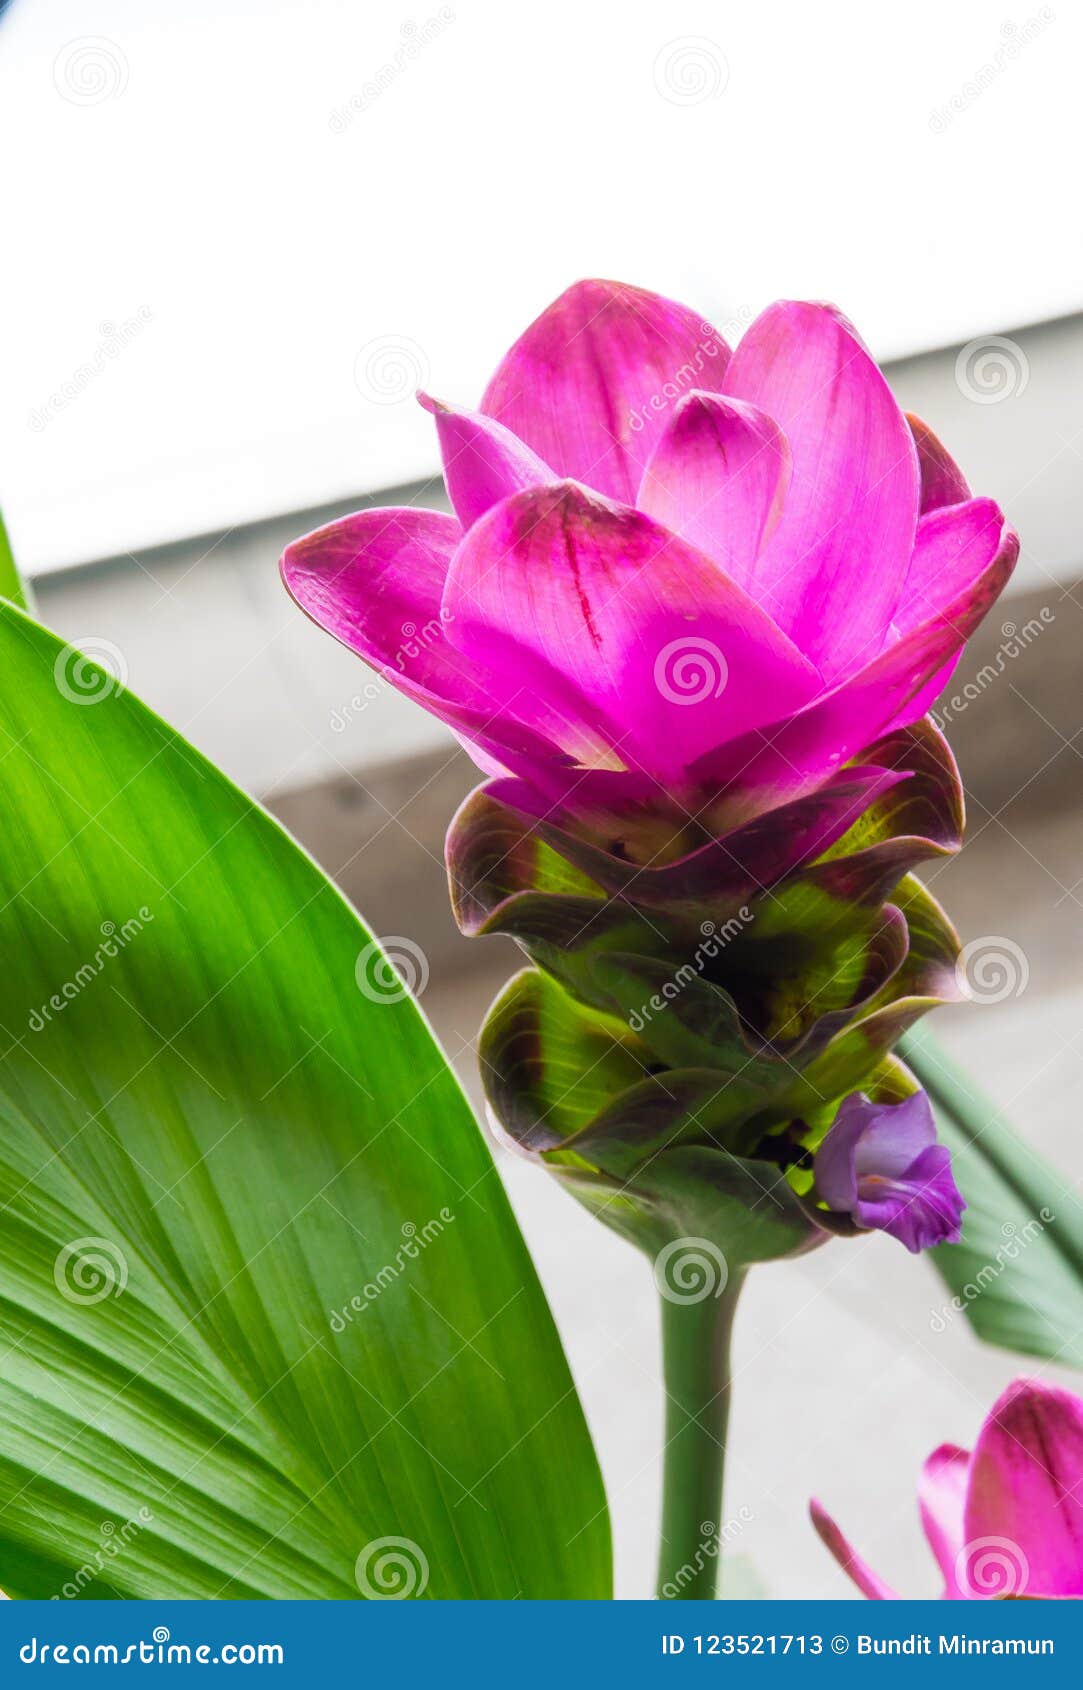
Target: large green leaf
(1017, 1276)
(12, 585)
(211, 1140)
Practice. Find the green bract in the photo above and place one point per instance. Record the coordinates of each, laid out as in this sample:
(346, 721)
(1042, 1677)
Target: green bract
(698, 1005)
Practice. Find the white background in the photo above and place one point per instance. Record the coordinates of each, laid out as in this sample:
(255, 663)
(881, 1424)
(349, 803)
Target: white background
(204, 166)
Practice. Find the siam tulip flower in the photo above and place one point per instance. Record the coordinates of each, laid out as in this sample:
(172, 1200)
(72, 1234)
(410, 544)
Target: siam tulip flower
(688, 568)
(687, 613)
(1006, 1520)
(881, 1164)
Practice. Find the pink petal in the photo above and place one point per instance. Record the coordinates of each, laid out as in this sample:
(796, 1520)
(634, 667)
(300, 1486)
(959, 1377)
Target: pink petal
(594, 377)
(952, 547)
(1024, 1509)
(372, 579)
(646, 637)
(869, 1583)
(951, 552)
(483, 461)
(789, 756)
(941, 1499)
(942, 481)
(831, 573)
(375, 581)
(717, 477)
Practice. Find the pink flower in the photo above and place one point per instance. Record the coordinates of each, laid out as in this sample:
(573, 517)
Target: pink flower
(1006, 1520)
(669, 564)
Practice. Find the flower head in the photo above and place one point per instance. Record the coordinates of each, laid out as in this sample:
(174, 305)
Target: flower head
(1006, 1520)
(669, 562)
(688, 612)
(880, 1164)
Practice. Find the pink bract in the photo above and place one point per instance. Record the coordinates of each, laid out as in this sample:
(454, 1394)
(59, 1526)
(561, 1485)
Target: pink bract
(1006, 1520)
(670, 562)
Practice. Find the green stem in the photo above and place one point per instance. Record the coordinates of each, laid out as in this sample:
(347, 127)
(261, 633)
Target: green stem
(695, 1358)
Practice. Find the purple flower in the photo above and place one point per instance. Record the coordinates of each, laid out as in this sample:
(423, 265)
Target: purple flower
(880, 1164)
(670, 565)
(1006, 1520)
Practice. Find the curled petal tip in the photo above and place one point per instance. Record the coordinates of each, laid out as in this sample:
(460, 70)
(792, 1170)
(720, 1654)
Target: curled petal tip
(868, 1582)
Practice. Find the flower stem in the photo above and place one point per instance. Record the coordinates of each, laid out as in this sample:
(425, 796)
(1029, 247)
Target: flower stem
(695, 1358)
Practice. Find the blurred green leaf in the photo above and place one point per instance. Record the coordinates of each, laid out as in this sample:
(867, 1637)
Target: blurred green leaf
(1018, 1273)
